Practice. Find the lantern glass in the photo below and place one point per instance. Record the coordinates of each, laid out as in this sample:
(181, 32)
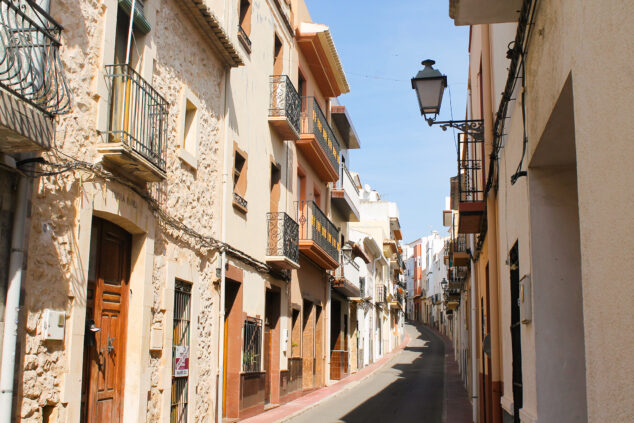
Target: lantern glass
(429, 92)
(429, 84)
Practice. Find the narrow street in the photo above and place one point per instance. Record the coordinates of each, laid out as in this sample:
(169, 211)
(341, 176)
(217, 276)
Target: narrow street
(386, 396)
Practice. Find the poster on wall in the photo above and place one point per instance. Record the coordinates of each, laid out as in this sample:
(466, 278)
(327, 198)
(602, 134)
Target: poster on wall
(181, 361)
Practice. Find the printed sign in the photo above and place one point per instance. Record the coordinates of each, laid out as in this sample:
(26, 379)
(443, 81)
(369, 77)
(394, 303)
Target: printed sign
(181, 361)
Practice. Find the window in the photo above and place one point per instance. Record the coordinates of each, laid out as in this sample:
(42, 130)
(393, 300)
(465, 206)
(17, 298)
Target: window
(239, 179)
(188, 131)
(301, 84)
(244, 26)
(278, 55)
(276, 176)
(251, 352)
(180, 352)
(296, 334)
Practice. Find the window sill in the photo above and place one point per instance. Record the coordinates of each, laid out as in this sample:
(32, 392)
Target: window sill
(244, 40)
(188, 158)
(239, 203)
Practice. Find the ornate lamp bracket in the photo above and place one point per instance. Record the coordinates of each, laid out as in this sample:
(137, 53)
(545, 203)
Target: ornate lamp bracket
(473, 128)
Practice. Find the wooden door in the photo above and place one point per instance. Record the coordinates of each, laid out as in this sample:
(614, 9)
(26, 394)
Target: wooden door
(106, 351)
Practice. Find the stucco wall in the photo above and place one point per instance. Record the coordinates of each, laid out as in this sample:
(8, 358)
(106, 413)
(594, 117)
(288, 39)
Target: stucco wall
(571, 40)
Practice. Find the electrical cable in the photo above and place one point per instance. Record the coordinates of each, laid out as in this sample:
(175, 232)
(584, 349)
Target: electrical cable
(205, 240)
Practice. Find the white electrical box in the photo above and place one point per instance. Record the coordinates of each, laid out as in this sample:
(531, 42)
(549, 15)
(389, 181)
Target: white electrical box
(526, 303)
(53, 323)
(285, 340)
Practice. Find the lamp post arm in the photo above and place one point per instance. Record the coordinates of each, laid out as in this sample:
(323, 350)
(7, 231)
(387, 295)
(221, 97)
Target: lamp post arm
(472, 127)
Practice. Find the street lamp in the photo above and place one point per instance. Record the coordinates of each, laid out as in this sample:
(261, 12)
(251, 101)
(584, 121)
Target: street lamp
(444, 284)
(430, 85)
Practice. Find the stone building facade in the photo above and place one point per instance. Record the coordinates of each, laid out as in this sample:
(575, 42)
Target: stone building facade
(184, 226)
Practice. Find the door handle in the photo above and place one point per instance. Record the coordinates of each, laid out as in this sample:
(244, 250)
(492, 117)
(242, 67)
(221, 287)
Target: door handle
(110, 345)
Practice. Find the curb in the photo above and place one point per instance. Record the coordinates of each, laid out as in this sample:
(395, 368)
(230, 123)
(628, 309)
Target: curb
(349, 385)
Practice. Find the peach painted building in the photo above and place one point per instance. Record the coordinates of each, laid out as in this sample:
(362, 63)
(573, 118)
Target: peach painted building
(547, 230)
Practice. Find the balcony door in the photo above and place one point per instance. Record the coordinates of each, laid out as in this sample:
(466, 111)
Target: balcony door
(106, 321)
(120, 107)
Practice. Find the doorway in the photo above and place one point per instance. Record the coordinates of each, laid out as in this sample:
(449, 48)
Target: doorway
(308, 345)
(232, 349)
(272, 346)
(516, 333)
(106, 322)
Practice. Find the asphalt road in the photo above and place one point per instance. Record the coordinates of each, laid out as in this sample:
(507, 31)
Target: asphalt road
(408, 389)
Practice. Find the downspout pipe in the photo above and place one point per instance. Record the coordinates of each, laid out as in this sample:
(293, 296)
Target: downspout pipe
(474, 358)
(12, 309)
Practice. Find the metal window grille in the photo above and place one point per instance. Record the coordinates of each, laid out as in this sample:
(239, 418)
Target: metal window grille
(252, 351)
(180, 384)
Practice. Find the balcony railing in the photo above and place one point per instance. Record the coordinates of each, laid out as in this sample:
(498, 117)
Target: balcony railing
(470, 169)
(138, 114)
(346, 195)
(283, 240)
(315, 226)
(380, 294)
(244, 38)
(314, 122)
(30, 66)
(285, 101)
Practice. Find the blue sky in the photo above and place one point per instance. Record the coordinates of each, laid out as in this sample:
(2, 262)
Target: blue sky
(381, 45)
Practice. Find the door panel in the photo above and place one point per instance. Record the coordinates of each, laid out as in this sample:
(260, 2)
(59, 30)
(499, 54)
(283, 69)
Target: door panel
(107, 354)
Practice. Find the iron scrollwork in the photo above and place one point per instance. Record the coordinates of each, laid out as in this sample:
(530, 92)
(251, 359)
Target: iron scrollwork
(285, 100)
(30, 64)
(283, 236)
(473, 128)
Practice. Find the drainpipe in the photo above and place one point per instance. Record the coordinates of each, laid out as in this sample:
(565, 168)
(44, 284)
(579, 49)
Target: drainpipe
(12, 309)
(474, 358)
(223, 257)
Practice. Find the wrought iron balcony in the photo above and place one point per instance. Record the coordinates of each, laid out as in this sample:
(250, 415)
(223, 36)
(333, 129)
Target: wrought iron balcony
(30, 66)
(33, 87)
(346, 195)
(285, 107)
(318, 142)
(471, 183)
(282, 248)
(318, 236)
(459, 256)
(137, 135)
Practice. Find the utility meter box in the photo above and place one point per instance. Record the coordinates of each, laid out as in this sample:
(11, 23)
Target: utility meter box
(526, 303)
(53, 323)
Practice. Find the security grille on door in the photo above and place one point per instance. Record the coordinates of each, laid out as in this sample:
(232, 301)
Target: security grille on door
(252, 345)
(180, 352)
